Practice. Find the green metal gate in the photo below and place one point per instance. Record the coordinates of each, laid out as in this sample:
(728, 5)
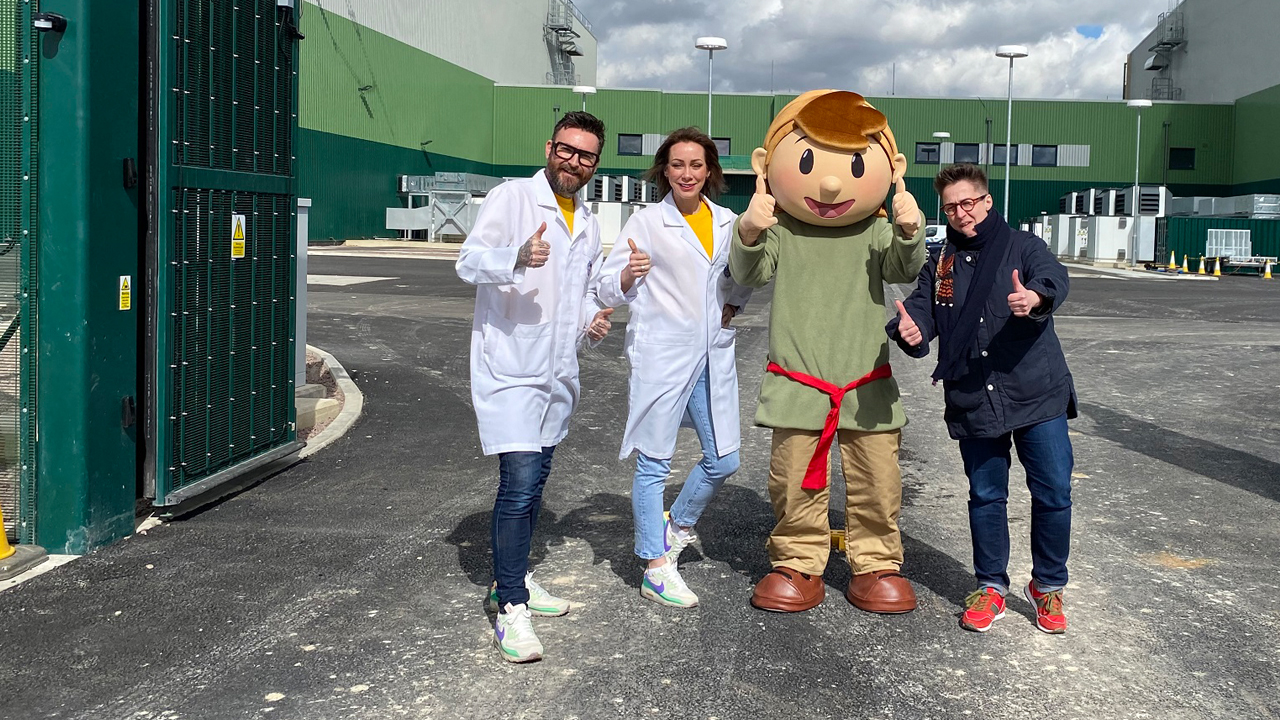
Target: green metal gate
(221, 245)
(18, 62)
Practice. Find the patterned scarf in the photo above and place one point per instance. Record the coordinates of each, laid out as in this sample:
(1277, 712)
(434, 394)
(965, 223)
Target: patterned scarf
(957, 327)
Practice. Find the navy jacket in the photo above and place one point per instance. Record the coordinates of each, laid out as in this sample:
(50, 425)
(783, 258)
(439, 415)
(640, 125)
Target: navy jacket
(1017, 375)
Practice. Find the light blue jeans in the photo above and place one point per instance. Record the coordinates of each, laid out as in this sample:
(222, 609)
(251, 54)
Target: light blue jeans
(704, 480)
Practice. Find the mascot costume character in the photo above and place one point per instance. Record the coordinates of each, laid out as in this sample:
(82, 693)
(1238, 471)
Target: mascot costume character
(817, 227)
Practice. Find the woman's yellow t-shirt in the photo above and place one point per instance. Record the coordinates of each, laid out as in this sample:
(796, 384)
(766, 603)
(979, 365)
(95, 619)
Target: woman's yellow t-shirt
(566, 209)
(700, 222)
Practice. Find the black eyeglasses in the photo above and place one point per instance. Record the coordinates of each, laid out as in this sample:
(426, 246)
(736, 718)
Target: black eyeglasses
(565, 151)
(966, 205)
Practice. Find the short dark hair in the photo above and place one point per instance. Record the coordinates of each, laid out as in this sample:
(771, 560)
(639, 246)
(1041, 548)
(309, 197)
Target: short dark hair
(578, 120)
(715, 174)
(960, 172)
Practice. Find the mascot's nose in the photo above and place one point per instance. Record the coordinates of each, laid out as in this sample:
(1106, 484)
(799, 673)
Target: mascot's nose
(831, 187)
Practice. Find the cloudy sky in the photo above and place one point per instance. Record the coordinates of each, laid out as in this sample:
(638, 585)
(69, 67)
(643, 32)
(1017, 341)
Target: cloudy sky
(940, 47)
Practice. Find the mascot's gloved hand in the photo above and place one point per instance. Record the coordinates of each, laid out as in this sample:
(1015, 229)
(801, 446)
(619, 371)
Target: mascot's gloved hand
(759, 215)
(906, 213)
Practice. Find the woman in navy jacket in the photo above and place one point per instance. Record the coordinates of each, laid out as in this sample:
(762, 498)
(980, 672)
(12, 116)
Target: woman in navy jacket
(989, 298)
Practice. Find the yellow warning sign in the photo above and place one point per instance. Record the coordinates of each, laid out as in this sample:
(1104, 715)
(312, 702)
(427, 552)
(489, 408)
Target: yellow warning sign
(237, 236)
(126, 292)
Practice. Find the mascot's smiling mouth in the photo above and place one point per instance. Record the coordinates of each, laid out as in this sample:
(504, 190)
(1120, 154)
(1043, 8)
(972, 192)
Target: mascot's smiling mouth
(827, 210)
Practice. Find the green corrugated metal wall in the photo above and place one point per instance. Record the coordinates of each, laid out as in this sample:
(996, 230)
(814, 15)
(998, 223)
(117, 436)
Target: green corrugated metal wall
(1257, 154)
(1188, 235)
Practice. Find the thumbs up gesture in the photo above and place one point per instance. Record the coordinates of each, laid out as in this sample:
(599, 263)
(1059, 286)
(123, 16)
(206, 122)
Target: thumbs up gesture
(535, 251)
(907, 328)
(600, 325)
(759, 215)
(1022, 301)
(906, 213)
(638, 264)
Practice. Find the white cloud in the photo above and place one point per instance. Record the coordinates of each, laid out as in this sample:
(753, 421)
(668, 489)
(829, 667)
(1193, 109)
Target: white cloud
(939, 47)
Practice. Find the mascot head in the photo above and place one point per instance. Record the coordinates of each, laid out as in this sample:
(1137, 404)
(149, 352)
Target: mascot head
(830, 159)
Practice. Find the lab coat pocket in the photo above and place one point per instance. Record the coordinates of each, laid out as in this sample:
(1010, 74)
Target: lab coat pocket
(525, 352)
(725, 337)
(663, 355)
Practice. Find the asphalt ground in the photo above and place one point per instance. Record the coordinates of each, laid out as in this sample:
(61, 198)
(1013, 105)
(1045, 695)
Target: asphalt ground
(352, 585)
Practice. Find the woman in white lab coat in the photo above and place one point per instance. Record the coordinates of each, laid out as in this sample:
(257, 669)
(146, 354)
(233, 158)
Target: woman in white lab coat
(669, 265)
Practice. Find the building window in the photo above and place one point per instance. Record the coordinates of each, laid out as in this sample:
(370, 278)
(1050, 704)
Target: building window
(928, 153)
(998, 155)
(967, 153)
(723, 146)
(1182, 158)
(1044, 155)
(630, 144)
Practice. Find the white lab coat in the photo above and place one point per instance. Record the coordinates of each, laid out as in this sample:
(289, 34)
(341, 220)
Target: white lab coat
(674, 330)
(529, 322)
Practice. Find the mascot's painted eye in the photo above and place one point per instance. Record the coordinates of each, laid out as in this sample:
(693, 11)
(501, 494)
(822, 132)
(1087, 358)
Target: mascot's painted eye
(806, 162)
(859, 166)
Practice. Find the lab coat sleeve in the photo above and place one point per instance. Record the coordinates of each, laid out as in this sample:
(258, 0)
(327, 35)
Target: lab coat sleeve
(611, 294)
(488, 256)
(591, 303)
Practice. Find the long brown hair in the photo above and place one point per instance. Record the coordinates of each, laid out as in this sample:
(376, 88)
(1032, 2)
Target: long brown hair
(715, 175)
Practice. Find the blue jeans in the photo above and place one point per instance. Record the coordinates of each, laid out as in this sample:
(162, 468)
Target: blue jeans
(704, 480)
(1045, 452)
(521, 476)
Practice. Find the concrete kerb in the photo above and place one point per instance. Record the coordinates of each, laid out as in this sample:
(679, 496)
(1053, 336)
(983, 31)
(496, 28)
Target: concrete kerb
(1128, 274)
(352, 406)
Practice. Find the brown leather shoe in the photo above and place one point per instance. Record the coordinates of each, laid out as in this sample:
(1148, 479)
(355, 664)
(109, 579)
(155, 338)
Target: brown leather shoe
(787, 590)
(882, 591)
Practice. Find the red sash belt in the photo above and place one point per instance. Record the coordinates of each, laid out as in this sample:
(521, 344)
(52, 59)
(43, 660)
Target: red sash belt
(815, 477)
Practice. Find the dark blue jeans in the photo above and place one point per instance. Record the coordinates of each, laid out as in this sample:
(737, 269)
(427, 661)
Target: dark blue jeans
(521, 476)
(1045, 452)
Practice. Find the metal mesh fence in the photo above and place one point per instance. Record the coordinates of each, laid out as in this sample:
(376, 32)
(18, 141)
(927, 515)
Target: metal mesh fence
(18, 60)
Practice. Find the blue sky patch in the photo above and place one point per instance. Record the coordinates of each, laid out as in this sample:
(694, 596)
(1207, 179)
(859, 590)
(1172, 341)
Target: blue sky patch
(1090, 31)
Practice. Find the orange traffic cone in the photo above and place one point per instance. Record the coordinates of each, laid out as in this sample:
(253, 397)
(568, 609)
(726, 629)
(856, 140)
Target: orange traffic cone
(1184, 265)
(1201, 270)
(1173, 260)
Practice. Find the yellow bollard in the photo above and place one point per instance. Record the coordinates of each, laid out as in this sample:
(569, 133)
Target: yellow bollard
(1217, 267)
(1173, 260)
(1201, 270)
(1266, 272)
(17, 559)
(6, 549)
(1184, 265)
(837, 540)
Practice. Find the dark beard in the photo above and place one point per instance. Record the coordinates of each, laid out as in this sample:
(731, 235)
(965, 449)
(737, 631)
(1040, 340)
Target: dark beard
(557, 184)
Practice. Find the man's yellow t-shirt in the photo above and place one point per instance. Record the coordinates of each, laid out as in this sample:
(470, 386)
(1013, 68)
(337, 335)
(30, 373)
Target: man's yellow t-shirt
(566, 209)
(700, 222)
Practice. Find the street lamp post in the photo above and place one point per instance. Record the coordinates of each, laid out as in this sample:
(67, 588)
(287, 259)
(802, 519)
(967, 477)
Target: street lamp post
(584, 91)
(1012, 52)
(1137, 105)
(940, 136)
(711, 45)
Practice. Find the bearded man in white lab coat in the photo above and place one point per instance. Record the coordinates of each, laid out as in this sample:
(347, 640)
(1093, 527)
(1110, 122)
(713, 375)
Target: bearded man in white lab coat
(535, 256)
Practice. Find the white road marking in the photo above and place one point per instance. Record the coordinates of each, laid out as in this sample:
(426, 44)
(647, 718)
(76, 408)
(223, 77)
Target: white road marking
(344, 280)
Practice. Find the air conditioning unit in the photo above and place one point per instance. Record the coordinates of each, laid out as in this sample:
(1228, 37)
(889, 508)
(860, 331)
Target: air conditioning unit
(1156, 62)
(1105, 202)
(633, 189)
(651, 193)
(598, 188)
(1153, 200)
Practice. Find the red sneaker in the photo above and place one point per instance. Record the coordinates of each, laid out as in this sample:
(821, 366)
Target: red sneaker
(983, 607)
(1049, 616)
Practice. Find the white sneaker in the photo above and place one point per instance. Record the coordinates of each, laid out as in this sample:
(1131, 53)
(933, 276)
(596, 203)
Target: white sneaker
(541, 602)
(677, 540)
(664, 585)
(514, 636)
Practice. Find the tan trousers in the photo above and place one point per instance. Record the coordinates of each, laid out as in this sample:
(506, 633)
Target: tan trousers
(802, 538)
